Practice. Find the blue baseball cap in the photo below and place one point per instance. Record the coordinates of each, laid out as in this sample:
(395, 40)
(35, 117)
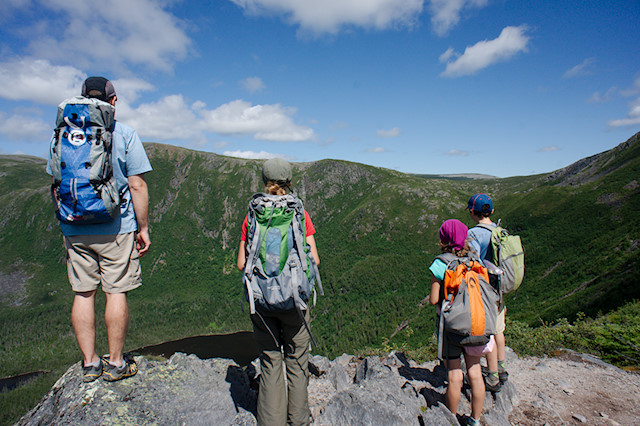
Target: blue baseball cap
(480, 203)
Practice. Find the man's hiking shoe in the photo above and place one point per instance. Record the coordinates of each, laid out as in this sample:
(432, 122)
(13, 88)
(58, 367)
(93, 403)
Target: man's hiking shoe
(113, 373)
(92, 372)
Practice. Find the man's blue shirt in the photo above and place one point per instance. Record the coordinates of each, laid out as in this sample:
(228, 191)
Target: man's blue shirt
(129, 159)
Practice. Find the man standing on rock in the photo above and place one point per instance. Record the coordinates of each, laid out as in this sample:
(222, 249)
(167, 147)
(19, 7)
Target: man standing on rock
(104, 245)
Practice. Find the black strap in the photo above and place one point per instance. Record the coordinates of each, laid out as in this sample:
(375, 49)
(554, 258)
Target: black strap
(306, 325)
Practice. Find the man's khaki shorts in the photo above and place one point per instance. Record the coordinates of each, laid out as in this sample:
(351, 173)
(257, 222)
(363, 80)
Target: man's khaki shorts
(500, 321)
(110, 260)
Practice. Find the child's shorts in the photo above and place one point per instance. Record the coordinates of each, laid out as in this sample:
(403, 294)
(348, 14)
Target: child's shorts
(481, 350)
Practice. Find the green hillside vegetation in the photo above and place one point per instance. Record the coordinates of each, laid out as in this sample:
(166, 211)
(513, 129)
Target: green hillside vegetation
(377, 234)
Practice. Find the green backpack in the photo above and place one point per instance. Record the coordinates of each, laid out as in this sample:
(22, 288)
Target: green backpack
(508, 256)
(280, 272)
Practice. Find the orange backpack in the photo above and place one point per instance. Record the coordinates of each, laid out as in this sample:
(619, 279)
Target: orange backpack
(470, 308)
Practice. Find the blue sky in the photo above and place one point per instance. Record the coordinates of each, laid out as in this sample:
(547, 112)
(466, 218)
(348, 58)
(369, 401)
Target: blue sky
(497, 87)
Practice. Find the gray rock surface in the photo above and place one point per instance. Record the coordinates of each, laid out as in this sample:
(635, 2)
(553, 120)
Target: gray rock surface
(186, 390)
(182, 390)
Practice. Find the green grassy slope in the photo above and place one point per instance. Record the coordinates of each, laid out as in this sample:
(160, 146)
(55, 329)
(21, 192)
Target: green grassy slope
(377, 234)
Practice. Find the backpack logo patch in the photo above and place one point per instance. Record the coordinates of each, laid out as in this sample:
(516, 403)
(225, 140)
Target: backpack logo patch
(76, 137)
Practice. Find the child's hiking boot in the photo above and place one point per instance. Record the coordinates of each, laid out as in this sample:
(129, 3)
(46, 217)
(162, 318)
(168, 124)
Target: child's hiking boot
(492, 382)
(92, 372)
(492, 387)
(113, 373)
(503, 374)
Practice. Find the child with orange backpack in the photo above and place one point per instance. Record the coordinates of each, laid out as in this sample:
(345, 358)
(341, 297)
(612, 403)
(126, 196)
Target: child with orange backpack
(455, 261)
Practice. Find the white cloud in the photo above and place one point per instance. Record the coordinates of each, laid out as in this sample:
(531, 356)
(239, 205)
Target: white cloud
(129, 89)
(24, 127)
(266, 122)
(173, 118)
(376, 150)
(445, 14)
(457, 153)
(483, 54)
(169, 118)
(330, 16)
(39, 81)
(252, 84)
(632, 119)
(253, 155)
(598, 98)
(585, 68)
(448, 54)
(551, 148)
(87, 32)
(391, 133)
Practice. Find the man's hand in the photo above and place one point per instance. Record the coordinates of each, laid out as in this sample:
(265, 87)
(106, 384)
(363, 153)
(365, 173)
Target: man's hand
(143, 242)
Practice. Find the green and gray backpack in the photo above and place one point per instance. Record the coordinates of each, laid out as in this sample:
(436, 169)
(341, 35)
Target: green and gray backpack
(280, 271)
(508, 256)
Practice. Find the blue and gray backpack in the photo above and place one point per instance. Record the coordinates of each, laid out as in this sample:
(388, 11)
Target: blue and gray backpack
(84, 190)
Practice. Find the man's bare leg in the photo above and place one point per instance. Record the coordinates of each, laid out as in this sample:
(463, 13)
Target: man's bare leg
(83, 320)
(116, 317)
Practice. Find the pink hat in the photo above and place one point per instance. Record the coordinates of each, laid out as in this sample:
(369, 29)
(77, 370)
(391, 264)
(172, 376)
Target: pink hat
(453, 233)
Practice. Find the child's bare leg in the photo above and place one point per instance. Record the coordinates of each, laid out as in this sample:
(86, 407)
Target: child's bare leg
(500, 344)
(477, 384)
(455, 384)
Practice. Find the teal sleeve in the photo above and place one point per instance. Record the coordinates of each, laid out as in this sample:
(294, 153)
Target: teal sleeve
(437, 268)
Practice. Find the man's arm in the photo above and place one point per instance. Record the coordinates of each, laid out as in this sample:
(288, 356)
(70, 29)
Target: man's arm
(140, 200)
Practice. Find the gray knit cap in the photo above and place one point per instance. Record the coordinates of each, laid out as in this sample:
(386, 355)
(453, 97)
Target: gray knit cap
(276, 170)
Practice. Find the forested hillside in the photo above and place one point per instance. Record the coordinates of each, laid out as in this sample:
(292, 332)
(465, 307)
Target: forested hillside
(376, 234)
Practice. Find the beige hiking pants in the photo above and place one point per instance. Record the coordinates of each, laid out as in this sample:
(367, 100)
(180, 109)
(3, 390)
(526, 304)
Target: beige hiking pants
(279, 404)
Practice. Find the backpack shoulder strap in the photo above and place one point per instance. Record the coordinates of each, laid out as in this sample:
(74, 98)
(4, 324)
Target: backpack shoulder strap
(489, 228)
(252, 229)
(447, 258)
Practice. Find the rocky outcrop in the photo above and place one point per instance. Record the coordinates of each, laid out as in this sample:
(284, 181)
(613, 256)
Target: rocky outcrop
(588, 169)
(181, 390)
(389, 390)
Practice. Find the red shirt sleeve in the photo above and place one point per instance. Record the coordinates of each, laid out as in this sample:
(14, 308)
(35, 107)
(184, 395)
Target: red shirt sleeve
(307, 224)
(243, 235)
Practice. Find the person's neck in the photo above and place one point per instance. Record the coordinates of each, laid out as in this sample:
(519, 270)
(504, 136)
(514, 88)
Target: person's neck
(485, 220)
